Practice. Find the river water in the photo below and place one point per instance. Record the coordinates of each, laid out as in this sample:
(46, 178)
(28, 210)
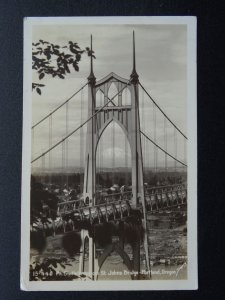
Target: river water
(168, 252)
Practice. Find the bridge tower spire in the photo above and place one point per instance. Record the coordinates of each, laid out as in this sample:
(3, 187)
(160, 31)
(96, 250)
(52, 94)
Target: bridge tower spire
(91, 77)
(134, 75)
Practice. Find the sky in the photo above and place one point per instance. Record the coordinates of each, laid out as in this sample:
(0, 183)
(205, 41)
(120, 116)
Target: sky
(161, 63)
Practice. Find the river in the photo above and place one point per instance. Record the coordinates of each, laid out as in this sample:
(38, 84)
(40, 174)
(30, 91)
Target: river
(167, 238)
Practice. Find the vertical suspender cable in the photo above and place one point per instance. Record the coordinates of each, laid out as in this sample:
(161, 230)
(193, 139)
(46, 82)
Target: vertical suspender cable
(99, 150)
(100, 161)
(146, 142)
(81, 141)
(50, 153)
(102, 145)
(165, 141)
(113, 146)
(43, 169)
(175, 149)
(185, 150)
(66, 144)
(63, 157)
(33, 136)
(126, 160)
(154, 128)
(143, 129)
(126, 144)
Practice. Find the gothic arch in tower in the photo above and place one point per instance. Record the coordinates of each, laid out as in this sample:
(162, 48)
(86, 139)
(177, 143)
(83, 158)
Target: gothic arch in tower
(99, 98)
(113, 94)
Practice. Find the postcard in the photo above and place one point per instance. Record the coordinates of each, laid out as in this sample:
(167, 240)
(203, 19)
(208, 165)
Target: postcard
(109, 174)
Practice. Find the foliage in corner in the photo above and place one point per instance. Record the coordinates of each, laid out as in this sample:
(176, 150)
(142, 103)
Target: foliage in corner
(56, 61)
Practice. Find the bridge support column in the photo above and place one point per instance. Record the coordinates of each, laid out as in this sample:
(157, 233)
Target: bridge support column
(91, 266)
(121, 237)
(136, 259)
(84, 234)
(146, 249)
(92, 261)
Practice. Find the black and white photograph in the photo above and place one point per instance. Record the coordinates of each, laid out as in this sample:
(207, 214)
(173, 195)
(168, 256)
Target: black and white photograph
(109, 180)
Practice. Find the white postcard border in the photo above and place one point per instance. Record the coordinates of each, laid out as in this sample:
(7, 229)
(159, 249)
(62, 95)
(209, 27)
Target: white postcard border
(192, 282)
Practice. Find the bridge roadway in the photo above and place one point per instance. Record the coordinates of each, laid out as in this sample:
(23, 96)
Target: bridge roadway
(115, 207)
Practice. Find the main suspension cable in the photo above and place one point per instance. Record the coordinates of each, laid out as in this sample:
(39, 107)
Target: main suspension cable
(80, 126)
(163, 112)
(58, 107)
(163, 149)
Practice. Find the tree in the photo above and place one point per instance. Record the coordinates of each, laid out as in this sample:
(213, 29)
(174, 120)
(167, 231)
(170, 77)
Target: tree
(40, 199)
(56, 61)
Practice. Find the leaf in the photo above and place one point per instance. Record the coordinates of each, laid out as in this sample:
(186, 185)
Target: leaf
(62, 266)
(42, 75)
(54, 263)
(78, 56)
(38, 91)
(56, 51)
(50, 71)
(68, 56)
(66, 68)
(75, 67)
(73, 50)
(61, 76)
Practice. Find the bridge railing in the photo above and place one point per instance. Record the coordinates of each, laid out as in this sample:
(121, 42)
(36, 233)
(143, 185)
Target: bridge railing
(101, 200)
(156, 197)
(108, 211)
(116, 206)
(165, 198)
(127, 195)
(70, 205)
(166, 188)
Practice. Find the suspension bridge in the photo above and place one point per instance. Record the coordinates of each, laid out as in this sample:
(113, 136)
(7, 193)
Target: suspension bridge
(152, 141)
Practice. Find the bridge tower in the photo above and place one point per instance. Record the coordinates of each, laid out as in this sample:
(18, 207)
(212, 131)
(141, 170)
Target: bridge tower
(126, 115)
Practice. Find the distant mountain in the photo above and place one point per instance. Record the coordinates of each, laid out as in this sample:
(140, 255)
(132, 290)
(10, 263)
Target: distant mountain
(77, 170)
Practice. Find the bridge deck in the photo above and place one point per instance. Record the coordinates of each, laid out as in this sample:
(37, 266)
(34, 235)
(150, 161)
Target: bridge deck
(117, 207)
